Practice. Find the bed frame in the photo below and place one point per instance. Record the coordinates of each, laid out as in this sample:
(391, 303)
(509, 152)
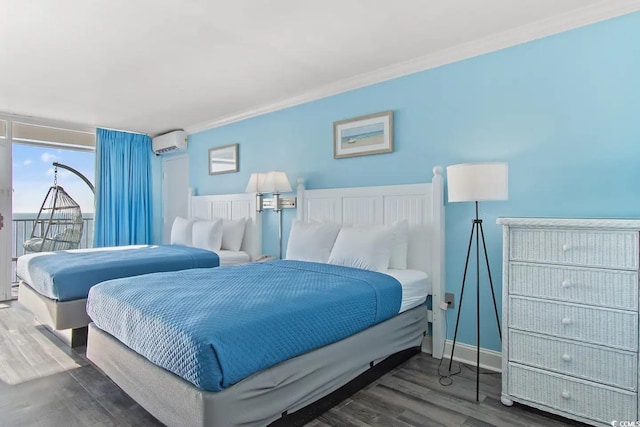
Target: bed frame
(68, 320)
(271, 394)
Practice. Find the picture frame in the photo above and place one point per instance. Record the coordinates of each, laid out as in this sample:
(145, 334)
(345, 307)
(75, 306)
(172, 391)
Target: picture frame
(223, 159)
(364, 135)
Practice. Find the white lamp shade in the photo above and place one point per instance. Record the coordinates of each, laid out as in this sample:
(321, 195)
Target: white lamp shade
(276, 182)
(256, 183)
(475, 182)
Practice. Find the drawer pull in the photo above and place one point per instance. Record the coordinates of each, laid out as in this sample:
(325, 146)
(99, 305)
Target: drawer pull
(565, 284)
(566, 357)
(566, 321)
(566, 395)
(566, 247)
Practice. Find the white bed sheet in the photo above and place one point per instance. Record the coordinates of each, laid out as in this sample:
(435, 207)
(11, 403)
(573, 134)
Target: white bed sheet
(415, 287)
(233, 257)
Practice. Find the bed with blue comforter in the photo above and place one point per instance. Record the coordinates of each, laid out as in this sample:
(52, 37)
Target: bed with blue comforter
(216, 327)
(68, 275)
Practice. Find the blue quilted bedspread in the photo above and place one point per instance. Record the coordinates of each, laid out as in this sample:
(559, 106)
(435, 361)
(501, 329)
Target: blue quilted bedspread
(68, 275)
(215, 327)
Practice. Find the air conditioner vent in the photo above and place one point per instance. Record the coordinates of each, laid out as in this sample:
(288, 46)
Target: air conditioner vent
(168, 142)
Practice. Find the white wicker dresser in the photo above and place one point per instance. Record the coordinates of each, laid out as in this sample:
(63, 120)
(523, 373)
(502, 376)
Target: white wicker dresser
(570, 316)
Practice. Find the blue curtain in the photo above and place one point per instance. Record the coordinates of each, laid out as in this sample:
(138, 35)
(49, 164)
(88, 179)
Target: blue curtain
(123, 189)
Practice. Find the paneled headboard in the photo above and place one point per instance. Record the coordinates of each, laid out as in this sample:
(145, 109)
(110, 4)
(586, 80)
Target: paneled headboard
(421, 204)
(232, 206)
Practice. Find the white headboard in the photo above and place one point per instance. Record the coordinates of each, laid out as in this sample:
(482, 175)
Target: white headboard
(421, 204)
(232, 206)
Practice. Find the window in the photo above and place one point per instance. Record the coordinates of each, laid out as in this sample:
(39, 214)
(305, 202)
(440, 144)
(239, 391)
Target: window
(35, 147)
(53, 136)
(33, 174)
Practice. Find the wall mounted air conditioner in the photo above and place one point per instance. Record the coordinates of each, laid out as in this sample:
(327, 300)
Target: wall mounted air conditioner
(168, 142)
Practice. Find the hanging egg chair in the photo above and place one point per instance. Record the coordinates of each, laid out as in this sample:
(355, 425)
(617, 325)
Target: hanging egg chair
(59, 223)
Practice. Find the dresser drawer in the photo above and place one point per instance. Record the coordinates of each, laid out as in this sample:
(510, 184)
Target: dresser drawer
(607, 288)
(578, 397)
(590, 362)
(611, 249)
(603, 326)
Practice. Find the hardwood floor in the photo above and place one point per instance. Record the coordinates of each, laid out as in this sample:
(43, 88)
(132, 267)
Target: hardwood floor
(45, 383)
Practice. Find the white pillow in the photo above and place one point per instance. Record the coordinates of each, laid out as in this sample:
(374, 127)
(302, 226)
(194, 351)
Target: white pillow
(311, 241)
(368, 248)
(232, 233)
(400, 249)
(207, 234)
(181, 231)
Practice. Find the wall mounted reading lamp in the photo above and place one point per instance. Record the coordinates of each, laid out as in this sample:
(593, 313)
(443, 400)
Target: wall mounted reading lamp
(276, 183)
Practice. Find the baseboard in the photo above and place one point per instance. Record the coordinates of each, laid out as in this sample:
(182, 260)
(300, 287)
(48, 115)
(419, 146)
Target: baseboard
(465, 353)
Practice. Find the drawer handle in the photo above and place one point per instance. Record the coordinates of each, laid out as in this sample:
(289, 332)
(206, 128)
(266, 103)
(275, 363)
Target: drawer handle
(565, 284)
(566, 247)
(566, 357)
(566, 321)
(566, 395)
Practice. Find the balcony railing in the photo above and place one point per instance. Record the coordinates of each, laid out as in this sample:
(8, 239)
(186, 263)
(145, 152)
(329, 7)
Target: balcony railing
(21, 231)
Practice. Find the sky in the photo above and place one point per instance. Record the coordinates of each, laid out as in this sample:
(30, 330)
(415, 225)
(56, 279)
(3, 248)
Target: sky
(33, 175)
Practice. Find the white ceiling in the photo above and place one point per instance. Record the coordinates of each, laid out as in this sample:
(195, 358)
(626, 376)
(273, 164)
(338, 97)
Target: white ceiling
(155, 65)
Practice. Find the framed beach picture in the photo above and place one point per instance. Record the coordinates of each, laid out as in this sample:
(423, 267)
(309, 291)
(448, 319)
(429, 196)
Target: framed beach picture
(223, 159)
(360, 136)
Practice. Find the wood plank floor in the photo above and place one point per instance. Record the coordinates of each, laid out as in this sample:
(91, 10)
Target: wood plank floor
(44, 383)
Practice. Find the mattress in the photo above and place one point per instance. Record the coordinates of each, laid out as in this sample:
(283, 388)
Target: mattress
(262, 397)
(233, 257)
(415, 287)
(68, 275)
(222, 325)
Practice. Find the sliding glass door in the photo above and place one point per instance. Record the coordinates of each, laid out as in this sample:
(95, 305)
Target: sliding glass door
(5, 210)
(28, 149)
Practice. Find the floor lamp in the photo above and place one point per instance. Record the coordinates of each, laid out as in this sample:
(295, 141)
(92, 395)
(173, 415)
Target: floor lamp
(477, 182)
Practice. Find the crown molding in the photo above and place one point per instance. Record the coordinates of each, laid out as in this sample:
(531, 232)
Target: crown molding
(603, 10)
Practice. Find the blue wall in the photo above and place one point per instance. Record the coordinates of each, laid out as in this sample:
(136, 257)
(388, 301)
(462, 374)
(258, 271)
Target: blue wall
(562, 111)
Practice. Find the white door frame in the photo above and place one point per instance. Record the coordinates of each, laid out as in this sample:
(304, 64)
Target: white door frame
(165, 160)
(6, 200)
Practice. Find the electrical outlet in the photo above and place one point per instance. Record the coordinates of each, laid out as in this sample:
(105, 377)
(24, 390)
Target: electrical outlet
(450, 300)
